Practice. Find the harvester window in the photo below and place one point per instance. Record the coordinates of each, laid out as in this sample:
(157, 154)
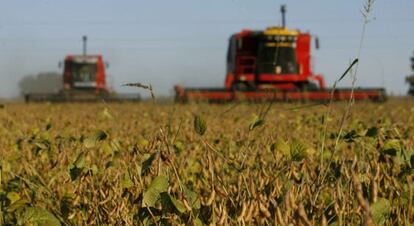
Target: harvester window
(84, 72)
(277, 59)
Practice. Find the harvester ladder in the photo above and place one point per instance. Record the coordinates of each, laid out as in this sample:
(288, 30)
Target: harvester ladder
(246, 65)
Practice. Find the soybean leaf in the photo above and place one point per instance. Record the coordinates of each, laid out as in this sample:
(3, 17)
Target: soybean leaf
(146, 165)
(75, 172)
(298, 151)
(66, 205)
(100, 135)
(142, 143)
(372, 132)
(178, 146)
(177, 204)
(391, 147)
(170, 204)
(80, 160)
(197, 222)
(380, 211)
(37, 216)
(107, 149)
(106, 114)
(351, 136)
(48, 126)
(199, 125)
(255, 122)
(192, 198)
(126, 181)
(412, 161)
(43, 144)
(281, 147)
(90, 142)
(77, 166)
(18, 205)
(13, 197)
(153, 193)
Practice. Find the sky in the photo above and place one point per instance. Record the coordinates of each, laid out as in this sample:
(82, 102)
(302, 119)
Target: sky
(164, 43)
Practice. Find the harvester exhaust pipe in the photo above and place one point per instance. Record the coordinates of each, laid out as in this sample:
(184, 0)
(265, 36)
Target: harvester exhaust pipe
(283, 10)
(85, 39)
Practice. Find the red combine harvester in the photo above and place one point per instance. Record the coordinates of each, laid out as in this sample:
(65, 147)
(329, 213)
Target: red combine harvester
(84, 80)
(272, 65)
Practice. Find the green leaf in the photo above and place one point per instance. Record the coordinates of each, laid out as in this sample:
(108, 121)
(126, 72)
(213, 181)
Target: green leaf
(256, 122)
(171, 205)
(412, 161)
(100, 135)
(146, 165)
(77, 166)
(152, 194)
(37, 217)
(18, 205)
(199, 125)
(66, 205)
(126, 181)
(75, 172)
(107, 149)
(298, 151)
(94, 168)
(106, 114)
(116, 145)
(177, 204)
(281, 147)
(380, 211)
(89, 142)
(197, 222)
(13, 197)
(48, 126)
(80, 160)
(142, 143)
(43, 144)
(179, 147)
(192, 198)
(109, 164)
(351, 136)
(391, 147)
(372, 132)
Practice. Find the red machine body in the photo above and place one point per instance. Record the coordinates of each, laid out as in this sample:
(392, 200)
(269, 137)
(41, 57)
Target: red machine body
(242, 70)
(84, 72)
(84, 80)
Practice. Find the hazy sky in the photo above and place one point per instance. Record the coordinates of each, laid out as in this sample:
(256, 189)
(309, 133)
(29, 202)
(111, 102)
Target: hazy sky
(185, 41)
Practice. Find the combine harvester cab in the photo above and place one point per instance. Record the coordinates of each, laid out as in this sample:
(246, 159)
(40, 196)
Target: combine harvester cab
(272, 65)
(84, 80)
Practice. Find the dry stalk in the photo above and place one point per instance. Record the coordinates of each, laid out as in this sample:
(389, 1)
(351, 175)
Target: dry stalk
(363, 203)
(140, 85)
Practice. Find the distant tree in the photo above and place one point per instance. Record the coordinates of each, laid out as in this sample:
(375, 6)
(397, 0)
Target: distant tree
(45, 82)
